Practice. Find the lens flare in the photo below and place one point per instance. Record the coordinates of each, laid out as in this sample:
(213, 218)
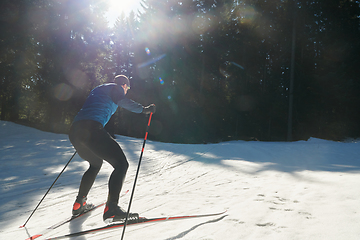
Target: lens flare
(161, 81)
(63, 92)
(147, 50)
(237, 65)
(151, 61)
(246, 14)
(75, 77)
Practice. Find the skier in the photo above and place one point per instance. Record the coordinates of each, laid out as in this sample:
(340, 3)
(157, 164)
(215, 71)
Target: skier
(94, 144)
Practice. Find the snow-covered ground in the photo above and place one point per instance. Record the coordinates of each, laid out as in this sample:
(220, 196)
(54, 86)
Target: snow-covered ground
(271, 190)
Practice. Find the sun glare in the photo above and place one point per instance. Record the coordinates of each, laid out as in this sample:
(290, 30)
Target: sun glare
(125, 6)
(116, 7)
(121, 5)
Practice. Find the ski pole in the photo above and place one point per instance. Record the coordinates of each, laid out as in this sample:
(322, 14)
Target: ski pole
(136, 176)
(48, 190)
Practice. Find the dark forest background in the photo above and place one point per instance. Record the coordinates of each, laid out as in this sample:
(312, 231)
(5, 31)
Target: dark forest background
(217, 70)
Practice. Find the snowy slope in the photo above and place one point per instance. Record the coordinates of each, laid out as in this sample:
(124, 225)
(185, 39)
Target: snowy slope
(272, 190)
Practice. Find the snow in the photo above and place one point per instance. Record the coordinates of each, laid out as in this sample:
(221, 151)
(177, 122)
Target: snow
(271, 190)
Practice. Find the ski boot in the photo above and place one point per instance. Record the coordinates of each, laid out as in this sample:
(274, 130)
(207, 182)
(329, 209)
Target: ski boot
(80, 206)
(113, 213)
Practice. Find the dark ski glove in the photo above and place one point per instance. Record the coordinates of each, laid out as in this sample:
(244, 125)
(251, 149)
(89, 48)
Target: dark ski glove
(149, 109)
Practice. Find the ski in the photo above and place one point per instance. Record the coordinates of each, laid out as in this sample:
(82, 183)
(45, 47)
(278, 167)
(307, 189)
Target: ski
(64, 222)
(135, 222)
(68, 220)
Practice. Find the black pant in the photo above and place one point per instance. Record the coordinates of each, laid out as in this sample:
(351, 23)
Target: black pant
(94, 144)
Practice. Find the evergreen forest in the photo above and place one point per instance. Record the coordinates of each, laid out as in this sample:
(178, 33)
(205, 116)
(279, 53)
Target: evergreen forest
(217, 70)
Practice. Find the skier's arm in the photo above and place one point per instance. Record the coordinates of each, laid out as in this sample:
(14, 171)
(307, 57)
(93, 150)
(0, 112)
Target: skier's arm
(119, 98)
(130, 105)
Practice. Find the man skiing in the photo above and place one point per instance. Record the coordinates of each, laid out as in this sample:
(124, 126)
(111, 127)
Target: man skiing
(94, 144)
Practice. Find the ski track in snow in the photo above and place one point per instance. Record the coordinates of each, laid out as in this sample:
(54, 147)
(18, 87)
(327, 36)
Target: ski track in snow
(271, 190)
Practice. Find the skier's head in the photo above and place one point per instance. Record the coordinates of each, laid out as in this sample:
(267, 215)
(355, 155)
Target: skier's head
(121, 80)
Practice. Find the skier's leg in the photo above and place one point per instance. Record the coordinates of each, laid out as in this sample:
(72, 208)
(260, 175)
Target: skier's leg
(80, 136)
(105, 147)
(76, 135)
(110, 150)
(94, 143)
(89, 176)
(101, 144)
